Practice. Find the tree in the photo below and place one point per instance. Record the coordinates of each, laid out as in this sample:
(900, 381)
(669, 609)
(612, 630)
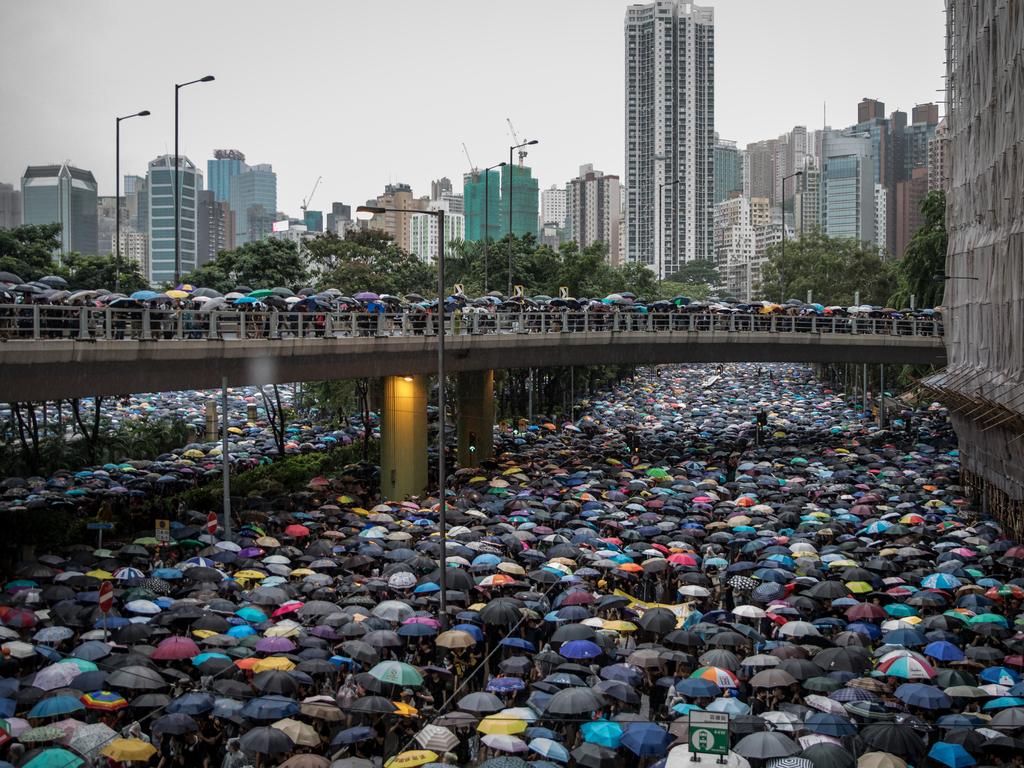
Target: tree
(925, 257)
(697, 272)
(369, 261)
(833, 269)
(28, 250)
(85, 272)
(264, 264)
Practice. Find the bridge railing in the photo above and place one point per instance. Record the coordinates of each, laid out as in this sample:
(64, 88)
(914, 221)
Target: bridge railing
(41, 321)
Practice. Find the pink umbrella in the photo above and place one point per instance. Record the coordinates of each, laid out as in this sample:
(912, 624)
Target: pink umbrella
(428, 620)
(175, 649)
(289, 607)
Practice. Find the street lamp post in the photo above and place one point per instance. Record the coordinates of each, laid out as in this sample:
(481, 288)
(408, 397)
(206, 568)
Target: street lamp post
(177, 188)
(487, 236)
(661, 225)
(117, 202)
(782, 258)
(367, 212)
(511, 173)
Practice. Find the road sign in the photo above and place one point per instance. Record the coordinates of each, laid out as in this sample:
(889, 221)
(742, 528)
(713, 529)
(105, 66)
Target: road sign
(106, 597)
(162, 531)
(709, 733)
(99, 526)
(211, 523)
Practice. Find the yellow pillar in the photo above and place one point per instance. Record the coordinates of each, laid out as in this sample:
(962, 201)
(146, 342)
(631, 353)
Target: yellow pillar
(475, 409)
(403, 437)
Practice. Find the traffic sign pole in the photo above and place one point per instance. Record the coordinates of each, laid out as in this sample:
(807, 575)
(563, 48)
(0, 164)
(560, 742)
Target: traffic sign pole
(708, 734)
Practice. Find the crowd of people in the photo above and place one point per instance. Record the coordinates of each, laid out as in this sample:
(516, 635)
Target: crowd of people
(826, 585)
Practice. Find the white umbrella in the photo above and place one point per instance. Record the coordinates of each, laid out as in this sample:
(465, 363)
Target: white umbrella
(437, 738)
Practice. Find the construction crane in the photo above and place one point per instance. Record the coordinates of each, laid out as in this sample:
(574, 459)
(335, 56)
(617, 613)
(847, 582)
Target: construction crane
(308, 200)
(515, 137)
(472, 167)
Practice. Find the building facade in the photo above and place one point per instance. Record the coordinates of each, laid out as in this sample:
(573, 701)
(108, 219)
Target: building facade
(807, 199)
(225, 164)
(592, 211)
(424, 231)
(520, 191)
(65, 195)
(847, 205)
(728, 171)
(553, 206)
(669, 133)
(10, 206)
(160, 212)
(909, 219)
(256, 185)
(106, 223)
(135, 248)
(216, 227)
(398, 225)
(339, 220)
(314, 221)
(479, 189)
(938, 158)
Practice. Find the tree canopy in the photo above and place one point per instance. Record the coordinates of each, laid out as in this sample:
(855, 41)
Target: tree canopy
(267, 263)
(28, 251)
(833, 269)
(924, 260)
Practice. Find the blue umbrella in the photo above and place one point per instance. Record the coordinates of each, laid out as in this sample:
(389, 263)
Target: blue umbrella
(416, 630)
(905, 637)
(1000, 676)
(505, 685)
(941, 581)
(144, 295)
(353, 735)
(56, 705)
(580, 649)
(603, 732)
(471, 629)
(697, 687)
(518, 642)
(630, 675)
(943, 650)
(924, 696)
(830, 725)
(192, 703)
(646, 739)
(270, 708)
(952, 755)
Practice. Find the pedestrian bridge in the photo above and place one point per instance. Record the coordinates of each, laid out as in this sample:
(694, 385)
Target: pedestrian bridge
(61, 352)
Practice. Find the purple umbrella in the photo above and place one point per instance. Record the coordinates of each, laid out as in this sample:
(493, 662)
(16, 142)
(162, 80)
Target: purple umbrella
(275, 645)
(366, 296)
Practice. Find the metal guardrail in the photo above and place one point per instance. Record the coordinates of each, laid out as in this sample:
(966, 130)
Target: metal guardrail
(30, 322)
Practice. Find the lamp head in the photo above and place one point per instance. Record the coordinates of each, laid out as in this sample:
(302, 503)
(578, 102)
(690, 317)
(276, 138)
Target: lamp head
(532, 141)
(207, 79)
(143, 113)
(367, 212)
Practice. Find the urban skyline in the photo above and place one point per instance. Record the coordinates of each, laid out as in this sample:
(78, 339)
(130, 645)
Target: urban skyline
(357, 157)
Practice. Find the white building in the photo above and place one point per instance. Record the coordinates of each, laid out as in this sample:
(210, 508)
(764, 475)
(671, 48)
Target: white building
(880, 216)
(734, 246)
(423, 230)
(670, 133)
(592, 210)
(807, 200)
(134, 247)
(553, 206)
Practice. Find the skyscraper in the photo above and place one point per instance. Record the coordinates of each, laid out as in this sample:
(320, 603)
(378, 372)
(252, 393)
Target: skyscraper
(339, 220)
(523, 196)
(65, 195)
(847, 187)
(398, 196)
(10, 206)
(475, 194)
(215, 227)
(160, 213)
(670, 133)
(553, 205)
(225, 164)
(254, 185)
(728, 170)
(423, 230)
(592, 210)
(440, 187)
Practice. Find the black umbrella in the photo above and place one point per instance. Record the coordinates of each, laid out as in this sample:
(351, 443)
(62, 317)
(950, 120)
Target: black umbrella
(372, 705)
(175, 725)
(573, 701)
(898, 739)
(658, 620)
(766, 744)
(595, 756)
(265, 740)
(481, 703)
(502, 611)
(829, 756)
(275, 681)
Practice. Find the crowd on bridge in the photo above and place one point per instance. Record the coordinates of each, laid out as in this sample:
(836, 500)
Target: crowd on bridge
(46, 309)
(825, 585)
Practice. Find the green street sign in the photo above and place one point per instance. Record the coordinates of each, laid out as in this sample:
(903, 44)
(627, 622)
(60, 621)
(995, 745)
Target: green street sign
(709, 733)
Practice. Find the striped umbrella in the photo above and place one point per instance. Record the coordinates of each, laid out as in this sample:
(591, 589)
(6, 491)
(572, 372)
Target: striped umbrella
(908, 668)
(723, 678)
(105, 701)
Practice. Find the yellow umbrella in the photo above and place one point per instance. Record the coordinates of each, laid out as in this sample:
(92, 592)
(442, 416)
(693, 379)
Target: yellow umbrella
(404, 710)
(455, 638)
(249, 573)
(302, 572)
(193, 453)
(202, 634)
(411, 759)
(858, 587)
(128, 750)
(100, 574)
(267, 541)
(174, 293)
(273, 662)
(501, 724)
(620, 626)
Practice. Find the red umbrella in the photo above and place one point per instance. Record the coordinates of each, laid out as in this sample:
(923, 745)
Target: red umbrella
(296, 530)
(863, 611)
(175, 649)
(18, 618)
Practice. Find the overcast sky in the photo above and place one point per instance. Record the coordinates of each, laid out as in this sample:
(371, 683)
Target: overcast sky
(364, 93)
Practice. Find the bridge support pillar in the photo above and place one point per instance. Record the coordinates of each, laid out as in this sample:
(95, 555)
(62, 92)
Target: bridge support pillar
(475, 407)
(403, 437)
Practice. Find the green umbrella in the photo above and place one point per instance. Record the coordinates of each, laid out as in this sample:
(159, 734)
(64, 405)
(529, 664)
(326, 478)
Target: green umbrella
(396, 673)
(53, 757)
(261, 293)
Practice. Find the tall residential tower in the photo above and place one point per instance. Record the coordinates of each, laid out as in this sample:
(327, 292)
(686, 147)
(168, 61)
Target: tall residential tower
(670, 133)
